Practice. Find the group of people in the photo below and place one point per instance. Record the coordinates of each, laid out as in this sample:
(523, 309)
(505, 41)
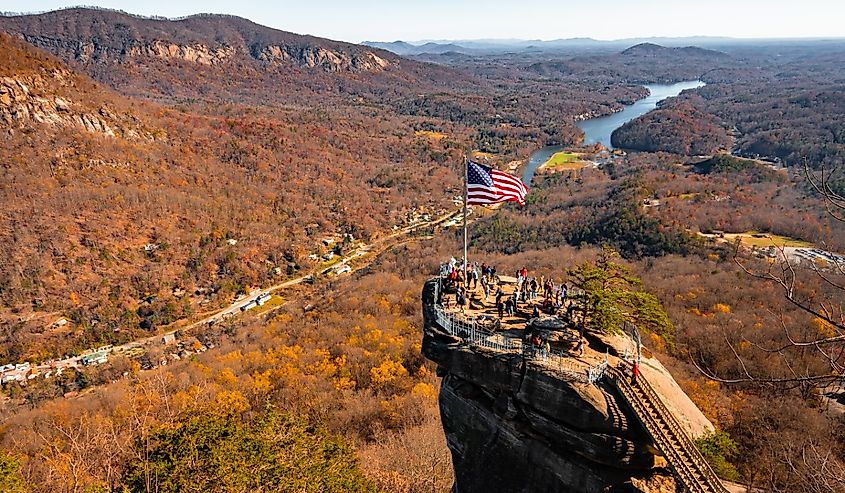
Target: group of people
(528, 288)
(536, 343)
(475, 273)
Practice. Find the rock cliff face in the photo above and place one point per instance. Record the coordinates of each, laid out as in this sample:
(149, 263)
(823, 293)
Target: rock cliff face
(86, 50)
(514, 426)
(27, 100)
(312, 56)
(37, 90)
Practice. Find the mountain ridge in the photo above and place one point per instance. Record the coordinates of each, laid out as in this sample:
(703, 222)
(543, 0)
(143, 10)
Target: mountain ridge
(203, 38)
(219, 58)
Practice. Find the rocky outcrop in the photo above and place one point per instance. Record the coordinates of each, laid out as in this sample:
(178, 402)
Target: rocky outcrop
(514, 426)
(314, 56)
(26, 100)
(92, 50)
(309, 56)
(197, 53)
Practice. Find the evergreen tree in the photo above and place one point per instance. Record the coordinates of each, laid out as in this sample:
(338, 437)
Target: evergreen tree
(609, 295)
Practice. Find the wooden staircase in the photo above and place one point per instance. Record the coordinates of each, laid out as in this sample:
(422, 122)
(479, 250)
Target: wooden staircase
(690, 467)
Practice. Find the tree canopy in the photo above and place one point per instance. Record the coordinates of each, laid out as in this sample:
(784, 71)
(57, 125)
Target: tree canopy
(610, 296)
(275, 452)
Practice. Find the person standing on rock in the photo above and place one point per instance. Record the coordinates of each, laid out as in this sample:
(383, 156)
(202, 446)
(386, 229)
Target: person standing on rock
(579, 348)
(635, 372)
(460, 299)
(499, 295)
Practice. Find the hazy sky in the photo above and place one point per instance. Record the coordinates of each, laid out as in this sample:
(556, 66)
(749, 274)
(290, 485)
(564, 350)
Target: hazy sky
(388, 20)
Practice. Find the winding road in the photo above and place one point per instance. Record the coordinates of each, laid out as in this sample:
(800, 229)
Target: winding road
(374, 249)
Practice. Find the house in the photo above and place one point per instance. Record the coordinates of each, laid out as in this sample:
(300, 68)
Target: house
(13, 377)
(96, 358)
(168, 339)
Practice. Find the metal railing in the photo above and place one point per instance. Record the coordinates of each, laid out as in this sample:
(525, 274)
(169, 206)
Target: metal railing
(686, 460)
(470, 331)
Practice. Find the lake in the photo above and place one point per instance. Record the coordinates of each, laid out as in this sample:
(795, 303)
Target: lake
(598, 130)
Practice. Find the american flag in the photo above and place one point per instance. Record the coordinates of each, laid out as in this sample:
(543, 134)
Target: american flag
(486, 185)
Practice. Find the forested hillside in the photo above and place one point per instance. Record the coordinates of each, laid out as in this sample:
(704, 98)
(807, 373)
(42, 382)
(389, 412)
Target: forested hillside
(111, 205)
(783, 107)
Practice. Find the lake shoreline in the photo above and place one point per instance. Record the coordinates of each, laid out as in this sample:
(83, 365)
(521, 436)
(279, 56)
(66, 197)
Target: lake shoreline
(598, 130)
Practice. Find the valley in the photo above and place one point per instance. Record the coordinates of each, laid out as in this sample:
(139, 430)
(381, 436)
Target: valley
(217, 236)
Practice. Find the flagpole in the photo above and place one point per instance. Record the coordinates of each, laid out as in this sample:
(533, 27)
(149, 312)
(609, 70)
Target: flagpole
(466, 199)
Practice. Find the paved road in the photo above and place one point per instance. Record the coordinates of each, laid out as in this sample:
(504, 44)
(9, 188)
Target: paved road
(235, 307)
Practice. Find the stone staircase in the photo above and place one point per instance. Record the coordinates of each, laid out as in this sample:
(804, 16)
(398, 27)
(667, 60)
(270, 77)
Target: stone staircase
(691, 469)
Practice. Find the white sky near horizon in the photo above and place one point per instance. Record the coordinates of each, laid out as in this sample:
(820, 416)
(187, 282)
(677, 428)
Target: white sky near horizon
(413, 20)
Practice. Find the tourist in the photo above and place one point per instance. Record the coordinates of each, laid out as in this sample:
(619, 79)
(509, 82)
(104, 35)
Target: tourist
(460, 299)
(536, 312)
(579, 348)
(535, 344)
(510, 306)
(635, 372)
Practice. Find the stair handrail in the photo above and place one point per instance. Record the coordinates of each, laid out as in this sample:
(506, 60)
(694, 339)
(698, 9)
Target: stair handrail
(682, 436)
(687, 447)
(672, 454)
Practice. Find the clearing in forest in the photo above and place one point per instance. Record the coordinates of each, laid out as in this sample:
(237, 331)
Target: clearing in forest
(563, 160)
(762, 240)
(436, 136)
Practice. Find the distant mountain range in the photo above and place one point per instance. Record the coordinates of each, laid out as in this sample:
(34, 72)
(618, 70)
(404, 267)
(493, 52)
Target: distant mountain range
(651, 49)
(492, 46)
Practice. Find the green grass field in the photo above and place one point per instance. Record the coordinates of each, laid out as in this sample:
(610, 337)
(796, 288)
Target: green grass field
(563, 160)
(748, 239)
(273, 302)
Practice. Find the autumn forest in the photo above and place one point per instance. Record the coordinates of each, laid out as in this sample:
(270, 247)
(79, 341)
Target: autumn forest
(154, 172)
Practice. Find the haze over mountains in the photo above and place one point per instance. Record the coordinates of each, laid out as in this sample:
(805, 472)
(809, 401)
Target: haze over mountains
(493, 46)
